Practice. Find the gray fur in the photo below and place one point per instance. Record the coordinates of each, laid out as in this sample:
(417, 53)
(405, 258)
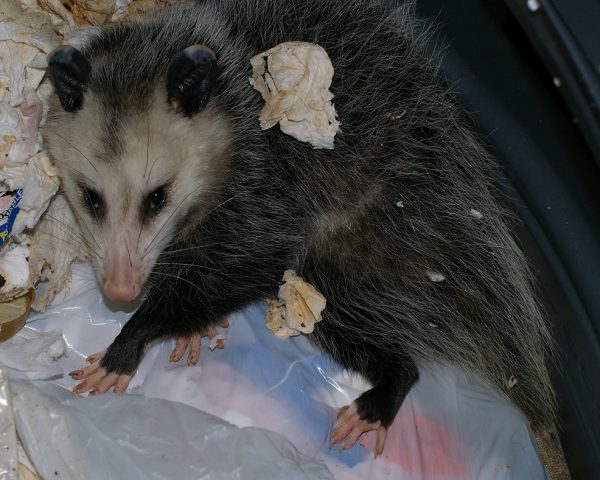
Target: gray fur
(333, 215)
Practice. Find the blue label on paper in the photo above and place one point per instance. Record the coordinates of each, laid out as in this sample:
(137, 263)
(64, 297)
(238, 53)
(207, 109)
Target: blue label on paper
(9, 207)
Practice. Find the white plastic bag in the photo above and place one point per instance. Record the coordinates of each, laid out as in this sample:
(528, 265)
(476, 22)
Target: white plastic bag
(450, 426)
(131, 437)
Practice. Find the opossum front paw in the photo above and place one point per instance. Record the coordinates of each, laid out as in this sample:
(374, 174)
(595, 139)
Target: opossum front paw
(193, 343)
(98, 379)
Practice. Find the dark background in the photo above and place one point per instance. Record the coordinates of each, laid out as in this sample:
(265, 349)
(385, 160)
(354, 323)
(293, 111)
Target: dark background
(530, 79)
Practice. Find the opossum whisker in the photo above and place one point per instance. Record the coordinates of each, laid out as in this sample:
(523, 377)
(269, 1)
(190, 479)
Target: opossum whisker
(92, 183)
(154, 163)
(177, 277)
(165, 223)
(129, 254)
(147, 147)
(67, 242)
(77, 150)
(195, 247)
(195, 265)
(224, 203)
(137, 245)
(82, 222)
(212, 210)
(75, 232)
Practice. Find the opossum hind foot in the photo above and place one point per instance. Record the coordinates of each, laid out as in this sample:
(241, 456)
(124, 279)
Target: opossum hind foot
(376, 408)
(96, 378)
(350, 426)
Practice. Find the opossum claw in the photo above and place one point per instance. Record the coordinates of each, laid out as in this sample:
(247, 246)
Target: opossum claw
(96, 357)
(349, 427)
(194, 353)
(97, 379)
(180, 347)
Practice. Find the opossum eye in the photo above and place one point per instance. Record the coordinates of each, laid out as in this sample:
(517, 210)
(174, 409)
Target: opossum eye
(157, 200)
(93, 202)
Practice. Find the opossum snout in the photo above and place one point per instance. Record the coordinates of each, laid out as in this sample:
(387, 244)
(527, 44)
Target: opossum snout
(121, 280)
(117, 289)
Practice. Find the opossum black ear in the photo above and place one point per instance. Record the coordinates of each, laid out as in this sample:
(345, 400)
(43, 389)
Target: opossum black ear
(70, 70)
(190, 78)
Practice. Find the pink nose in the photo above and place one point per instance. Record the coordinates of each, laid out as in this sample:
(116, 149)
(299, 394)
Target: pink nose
(121, 291)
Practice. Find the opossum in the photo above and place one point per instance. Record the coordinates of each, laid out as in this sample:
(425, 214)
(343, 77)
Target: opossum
(183, 199)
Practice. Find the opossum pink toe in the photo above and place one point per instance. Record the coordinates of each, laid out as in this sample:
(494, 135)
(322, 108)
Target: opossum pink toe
(342, 427)
(85, 372)
(380, 442)
(95, 357)
(211, 331)
(194, 347)
(342, 410)
(349, 427)
(352, 437)
(180, 347)
(91, 381)
(223, 322)
(122, 383)
(105, 383)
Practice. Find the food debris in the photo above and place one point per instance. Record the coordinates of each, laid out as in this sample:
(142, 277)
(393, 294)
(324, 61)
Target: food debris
(218, 341)
(294, 79)
(436, 276)
(393, 116)
(512, 382)
(533, 5)
(298, 308)
(400, 204)
(476, 214)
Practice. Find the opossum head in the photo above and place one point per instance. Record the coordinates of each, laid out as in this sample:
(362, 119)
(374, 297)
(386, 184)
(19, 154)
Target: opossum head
(137, 157)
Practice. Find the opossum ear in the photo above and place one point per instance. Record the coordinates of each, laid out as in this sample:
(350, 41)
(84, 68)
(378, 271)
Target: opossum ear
(70, 70)
(190, 78)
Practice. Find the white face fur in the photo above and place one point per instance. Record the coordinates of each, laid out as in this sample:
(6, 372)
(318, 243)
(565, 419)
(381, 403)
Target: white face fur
(128, 205)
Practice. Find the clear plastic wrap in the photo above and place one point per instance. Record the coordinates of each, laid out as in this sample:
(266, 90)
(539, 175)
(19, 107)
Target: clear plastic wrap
(8, 437)
(451, 426)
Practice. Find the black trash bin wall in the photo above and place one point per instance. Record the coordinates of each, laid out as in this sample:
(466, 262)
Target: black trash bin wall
(552, 181)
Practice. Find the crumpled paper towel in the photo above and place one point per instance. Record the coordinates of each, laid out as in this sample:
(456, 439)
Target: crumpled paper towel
(34, 353)
(298, 308)
(294, 79)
